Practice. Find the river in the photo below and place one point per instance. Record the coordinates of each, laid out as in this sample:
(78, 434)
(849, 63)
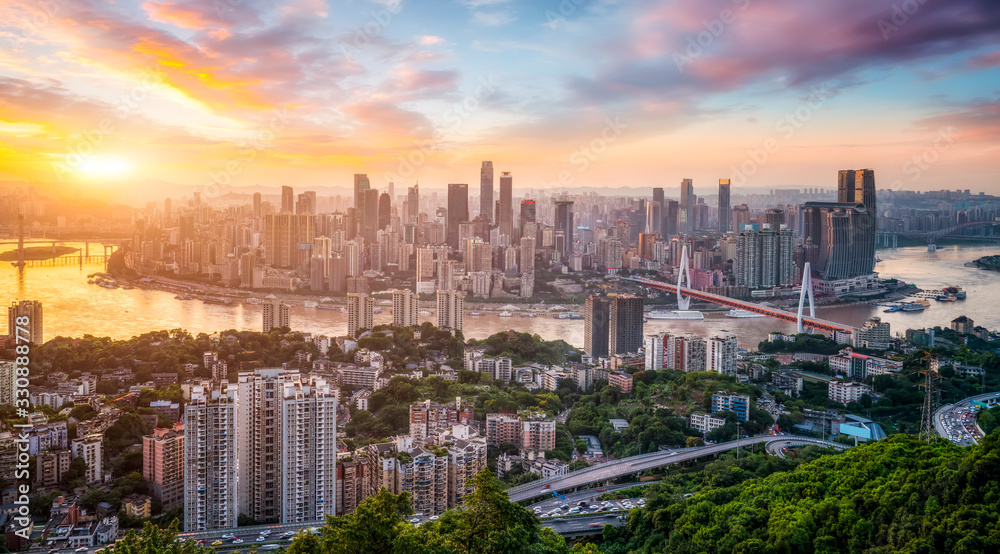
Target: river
(74, 308)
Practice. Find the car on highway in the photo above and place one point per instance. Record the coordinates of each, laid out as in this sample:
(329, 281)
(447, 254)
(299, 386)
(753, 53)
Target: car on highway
(237, 541)
(596, 524)
(414, 520)
(216, 543)
(261, 538)
(229, 536)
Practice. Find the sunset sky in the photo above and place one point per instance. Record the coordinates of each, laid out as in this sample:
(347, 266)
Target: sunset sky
(571, 93)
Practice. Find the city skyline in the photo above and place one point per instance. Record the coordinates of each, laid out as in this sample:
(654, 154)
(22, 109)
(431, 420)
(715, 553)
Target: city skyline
(406, 91)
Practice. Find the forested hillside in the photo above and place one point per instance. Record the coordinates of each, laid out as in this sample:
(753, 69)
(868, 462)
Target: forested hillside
(896, 495)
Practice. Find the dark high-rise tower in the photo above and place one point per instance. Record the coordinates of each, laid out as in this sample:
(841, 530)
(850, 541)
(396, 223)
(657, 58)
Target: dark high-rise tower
(287, 200)
(413, 203)
(368, 215)
(527, 214)
(361, 184)
(670, 214)
(685, 221)
(564, 223)
(657, 225)
(596, 314)
(626, 324)
(384, 210)
(458, 210)
(725, 216)
(843, 232)
(256, 204)
(486, 191)
(506, 206)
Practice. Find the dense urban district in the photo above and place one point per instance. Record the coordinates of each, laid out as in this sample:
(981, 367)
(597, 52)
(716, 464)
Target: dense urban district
(409, 437)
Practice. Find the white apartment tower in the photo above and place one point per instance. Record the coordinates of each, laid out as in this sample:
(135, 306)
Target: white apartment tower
(308, 451)
(451, 309)
(405, 308)
(721, 354)
(210, 478)
(259, 434)
(275, 313)
(360, 313)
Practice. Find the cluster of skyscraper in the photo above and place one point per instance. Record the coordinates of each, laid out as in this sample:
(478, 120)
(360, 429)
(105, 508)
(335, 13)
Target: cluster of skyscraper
(264, 447)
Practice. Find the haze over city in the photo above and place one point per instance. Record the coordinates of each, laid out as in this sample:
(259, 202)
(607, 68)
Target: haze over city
(98, 97)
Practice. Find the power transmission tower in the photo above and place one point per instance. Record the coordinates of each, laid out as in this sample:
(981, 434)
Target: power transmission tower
(931, 399)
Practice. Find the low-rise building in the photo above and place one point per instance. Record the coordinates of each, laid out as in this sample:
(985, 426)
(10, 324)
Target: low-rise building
(847, 391)
(739, 404)
(706, 423)
(621, 381)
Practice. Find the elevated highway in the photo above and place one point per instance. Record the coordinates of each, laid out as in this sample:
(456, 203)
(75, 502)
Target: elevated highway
(637, 464)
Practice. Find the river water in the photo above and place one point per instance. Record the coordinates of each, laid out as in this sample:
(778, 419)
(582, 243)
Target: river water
(74, 308)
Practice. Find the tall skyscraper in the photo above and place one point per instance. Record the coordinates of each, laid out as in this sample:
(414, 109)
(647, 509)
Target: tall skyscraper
(384, 210)
(685, 222)
(256, 205)
(283, 233)
(211, 490)
(844, 231)
(287, 200)
(413, 204)
(764, 258)
(31, 309)
(486, 191)
(451, 310)
(596, 314)
(163, 465)
(258, 440)
(308, 451)
(626, 324)
(656, 209)
(670, 214)
(528, 215)
(275, 313)
(458, 211)
(564, 223)
(725, 216)
(405, 309)
(368, 216)
(360, 310)
(507, 206)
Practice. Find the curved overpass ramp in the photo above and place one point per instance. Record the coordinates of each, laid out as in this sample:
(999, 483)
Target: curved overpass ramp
(948, 419)
(637, 464)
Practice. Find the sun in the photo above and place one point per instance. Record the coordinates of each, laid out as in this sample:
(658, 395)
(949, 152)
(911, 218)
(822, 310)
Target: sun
(104, 166)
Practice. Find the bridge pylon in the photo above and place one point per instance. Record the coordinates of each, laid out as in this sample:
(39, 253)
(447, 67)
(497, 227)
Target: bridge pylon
(807, 286)
(682, 272)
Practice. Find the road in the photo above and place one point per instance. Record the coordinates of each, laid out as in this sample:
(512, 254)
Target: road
(612, 470)
(778, 447)
(957, 422)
